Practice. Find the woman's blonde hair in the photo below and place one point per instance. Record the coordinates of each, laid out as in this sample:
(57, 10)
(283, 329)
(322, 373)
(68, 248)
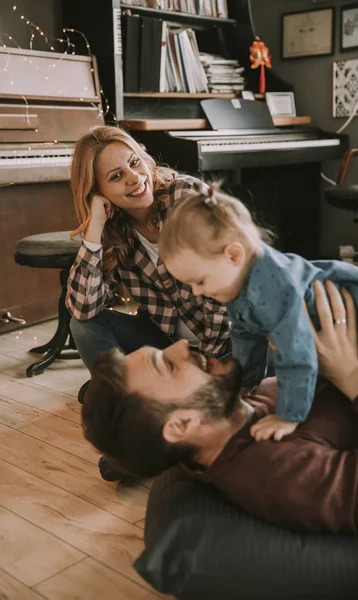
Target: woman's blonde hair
(205, 220)
(84, 185)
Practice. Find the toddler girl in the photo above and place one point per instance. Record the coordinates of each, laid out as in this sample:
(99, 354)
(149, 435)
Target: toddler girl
(210, 242)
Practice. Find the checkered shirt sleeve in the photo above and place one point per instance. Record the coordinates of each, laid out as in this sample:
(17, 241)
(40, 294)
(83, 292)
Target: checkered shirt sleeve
(87, 290)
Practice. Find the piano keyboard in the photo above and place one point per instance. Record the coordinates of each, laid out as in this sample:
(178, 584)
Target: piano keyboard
(250, 146)
(35, 164)
(40, 157)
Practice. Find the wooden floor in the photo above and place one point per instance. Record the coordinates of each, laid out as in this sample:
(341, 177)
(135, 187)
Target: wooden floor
(64, 532)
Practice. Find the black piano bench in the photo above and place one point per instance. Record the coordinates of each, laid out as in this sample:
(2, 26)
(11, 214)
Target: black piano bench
(53, 250)
(343, 195)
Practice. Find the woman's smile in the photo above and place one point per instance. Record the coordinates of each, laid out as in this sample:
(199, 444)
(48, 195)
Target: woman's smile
(140, 190)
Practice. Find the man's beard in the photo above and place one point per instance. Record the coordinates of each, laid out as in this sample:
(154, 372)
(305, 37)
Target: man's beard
(220, 396)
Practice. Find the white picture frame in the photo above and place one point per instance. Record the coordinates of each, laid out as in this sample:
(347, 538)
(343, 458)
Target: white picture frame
(349, 27)
(281, 104)
(345, 92)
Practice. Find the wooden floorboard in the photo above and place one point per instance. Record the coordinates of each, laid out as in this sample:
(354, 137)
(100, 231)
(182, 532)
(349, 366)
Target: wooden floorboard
(28, 562)
(65, 534)
(13, 589)
(95, 580)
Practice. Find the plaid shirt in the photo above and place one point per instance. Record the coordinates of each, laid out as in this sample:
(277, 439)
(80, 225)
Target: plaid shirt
(151, 286)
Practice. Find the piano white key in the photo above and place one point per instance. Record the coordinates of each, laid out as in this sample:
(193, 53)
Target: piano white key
(35, 160)
(252, 146)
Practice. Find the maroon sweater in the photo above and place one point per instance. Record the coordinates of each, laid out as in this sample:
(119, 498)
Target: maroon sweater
(308, 480)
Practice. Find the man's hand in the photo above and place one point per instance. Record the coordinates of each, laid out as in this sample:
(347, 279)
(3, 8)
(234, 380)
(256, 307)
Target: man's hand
(272, 426)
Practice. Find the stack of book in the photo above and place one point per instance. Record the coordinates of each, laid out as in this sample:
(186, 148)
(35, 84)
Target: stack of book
(160, 57)
(223, 75)
(205, 8)
(184, 71)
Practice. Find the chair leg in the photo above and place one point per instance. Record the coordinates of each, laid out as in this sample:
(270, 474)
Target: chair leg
(45, 347)
(54, 347)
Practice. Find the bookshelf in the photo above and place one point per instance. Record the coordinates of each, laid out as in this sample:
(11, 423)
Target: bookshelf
(179, 17)
(175, 95)
(103, 25)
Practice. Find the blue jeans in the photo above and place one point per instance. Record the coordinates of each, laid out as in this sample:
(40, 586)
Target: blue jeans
(112, 329)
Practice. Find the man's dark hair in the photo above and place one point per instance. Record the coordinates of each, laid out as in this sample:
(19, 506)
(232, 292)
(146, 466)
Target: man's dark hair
(129, 427)
(123, 425)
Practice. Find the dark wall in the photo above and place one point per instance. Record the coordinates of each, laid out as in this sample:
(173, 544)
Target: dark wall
(44, 13)
(312, 79)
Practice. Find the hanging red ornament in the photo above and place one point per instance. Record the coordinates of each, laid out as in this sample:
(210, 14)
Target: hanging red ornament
(260, 57)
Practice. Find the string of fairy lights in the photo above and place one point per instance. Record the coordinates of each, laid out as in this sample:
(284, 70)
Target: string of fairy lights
(70, 48)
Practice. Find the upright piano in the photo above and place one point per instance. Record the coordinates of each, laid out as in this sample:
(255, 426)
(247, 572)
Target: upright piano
(47, 101)
(276, 173)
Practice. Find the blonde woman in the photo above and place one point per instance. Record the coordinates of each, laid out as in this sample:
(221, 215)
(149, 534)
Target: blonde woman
(122, 198)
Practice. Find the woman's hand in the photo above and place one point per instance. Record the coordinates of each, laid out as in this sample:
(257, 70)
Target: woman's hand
(102, 209)
(337, 342)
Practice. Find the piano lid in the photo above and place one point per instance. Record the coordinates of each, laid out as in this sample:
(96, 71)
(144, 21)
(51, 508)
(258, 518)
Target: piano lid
(47, 96)
(49, 76)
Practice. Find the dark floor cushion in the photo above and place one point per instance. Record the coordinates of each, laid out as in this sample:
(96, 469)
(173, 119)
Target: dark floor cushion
(200, 547)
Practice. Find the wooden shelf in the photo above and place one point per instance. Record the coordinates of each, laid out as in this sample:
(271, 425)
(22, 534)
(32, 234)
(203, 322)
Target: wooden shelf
(174, 95)
(282, 121)
(163, 124)
(167, 124)
(171, 15)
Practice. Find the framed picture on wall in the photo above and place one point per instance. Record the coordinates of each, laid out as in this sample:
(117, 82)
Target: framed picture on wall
(308, 33)
(349, 27)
